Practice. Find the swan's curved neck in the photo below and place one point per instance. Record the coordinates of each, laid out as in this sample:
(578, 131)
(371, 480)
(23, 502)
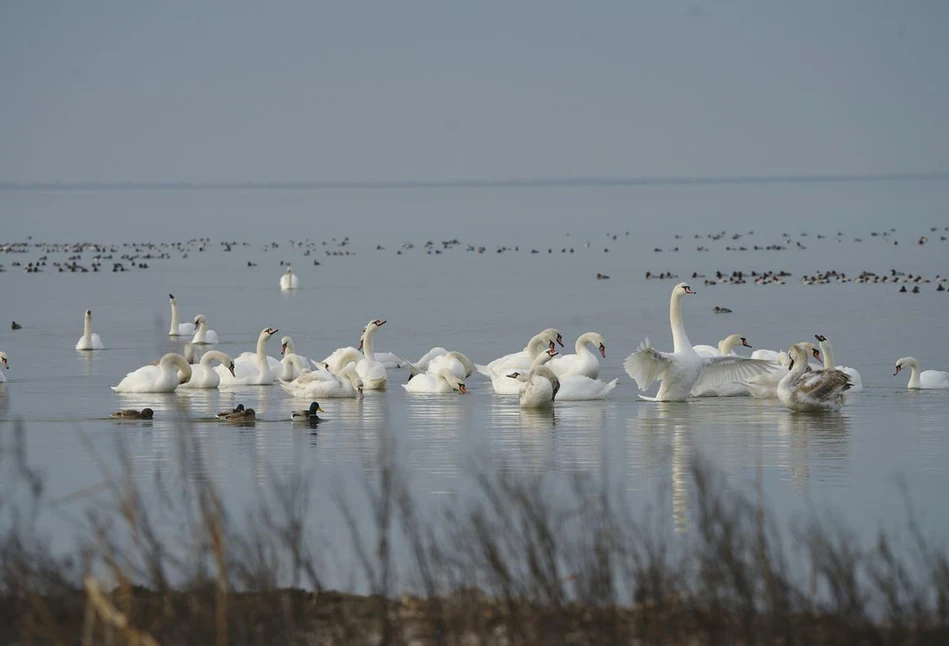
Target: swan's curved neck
(800, 362)
(680, 340)
(828, 351)
(727, 345)
(177, 362)
(87, 328)
(214, 355)
(581, 345)
(913, 374)
(536, 345)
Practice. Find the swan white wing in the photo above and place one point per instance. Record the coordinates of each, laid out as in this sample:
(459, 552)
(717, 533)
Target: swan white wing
(582, 388)
(426, 359)
(725, 370)
(389, 359)
(185, 329)
(706, 351)
(647, 365)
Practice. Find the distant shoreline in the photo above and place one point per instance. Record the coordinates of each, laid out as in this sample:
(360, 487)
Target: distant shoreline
(563, 182)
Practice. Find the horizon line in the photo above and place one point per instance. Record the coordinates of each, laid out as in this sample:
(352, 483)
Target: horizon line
(541, 182)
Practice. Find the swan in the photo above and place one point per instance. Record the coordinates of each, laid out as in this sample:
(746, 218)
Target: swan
(132, 413)
(500, 382)
(308, 414)
(202, 335)
(89, 340)
(442, 381)
(255, 372)
(456, 362)
(856, 382)
(3, 360)
(390, 360)
(726, 347)
(289, 280)
(802, 389)
(538, 386)
(683, 371)
(289, 368)
(171, 371)
(372, 373)
(425, 359)
(925, 380)
(339, 359)
(583, 362)
(178, 329)
(322, 383)
(582, 388)
(517, 362)
(203, 376)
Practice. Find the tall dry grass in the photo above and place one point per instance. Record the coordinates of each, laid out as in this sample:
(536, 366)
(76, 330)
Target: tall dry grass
(511, 566)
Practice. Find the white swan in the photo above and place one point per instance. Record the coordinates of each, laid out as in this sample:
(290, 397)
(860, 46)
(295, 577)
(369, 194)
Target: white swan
(856, 382)
(442, 381)
(583, 362)
(426, 359)
(683, 371)
(178, 329)
(500, 382)
(289, 280)
(456, 362)
(802, 389)
(925, 380)
(89, 339)
(203, 376)
(372, 373)
(538, 386)
(289, 368)
(171, 371)
(766, 386)
(255, 372)
(726, 347)
(522, 360)
(3, 360)
(339, 359)
(578, 388)
(202, 335)
(322, 383)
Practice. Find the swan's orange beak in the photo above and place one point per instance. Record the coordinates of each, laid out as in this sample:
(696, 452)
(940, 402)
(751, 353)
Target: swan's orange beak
(817, 356)
(603, 351)
(462, 388)
(283, 348)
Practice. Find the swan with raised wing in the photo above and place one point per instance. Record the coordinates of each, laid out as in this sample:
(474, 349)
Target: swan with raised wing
(584, 362)
(802, 389)
(202, 335)
(925, 380)
(178, 329)
(170, 371)
(255, 372)
(856, 382)
(89, 339)
(683, 370)
(289, 280)
(726, 348)
(203, 376)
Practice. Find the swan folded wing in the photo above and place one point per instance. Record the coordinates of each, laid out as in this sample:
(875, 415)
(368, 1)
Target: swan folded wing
(647, 365)
(824, 384)
(727, 370)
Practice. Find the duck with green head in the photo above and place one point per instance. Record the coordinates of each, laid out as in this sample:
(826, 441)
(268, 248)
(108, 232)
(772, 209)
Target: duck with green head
(308, 415)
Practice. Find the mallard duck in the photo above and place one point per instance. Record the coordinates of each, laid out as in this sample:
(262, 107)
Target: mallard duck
(131, 413)
(224, 413)
(308, 415)
(245, 415)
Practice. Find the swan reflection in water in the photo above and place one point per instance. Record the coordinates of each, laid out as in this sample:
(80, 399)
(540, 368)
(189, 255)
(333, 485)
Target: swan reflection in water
(819, 444)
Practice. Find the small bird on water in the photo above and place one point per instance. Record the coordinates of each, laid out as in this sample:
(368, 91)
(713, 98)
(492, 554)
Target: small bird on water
(131, 413)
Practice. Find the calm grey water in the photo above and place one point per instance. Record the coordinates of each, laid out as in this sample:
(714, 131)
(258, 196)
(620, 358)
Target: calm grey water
(486, 305)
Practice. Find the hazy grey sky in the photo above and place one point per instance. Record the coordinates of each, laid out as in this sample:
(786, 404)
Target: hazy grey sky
(350, 91)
